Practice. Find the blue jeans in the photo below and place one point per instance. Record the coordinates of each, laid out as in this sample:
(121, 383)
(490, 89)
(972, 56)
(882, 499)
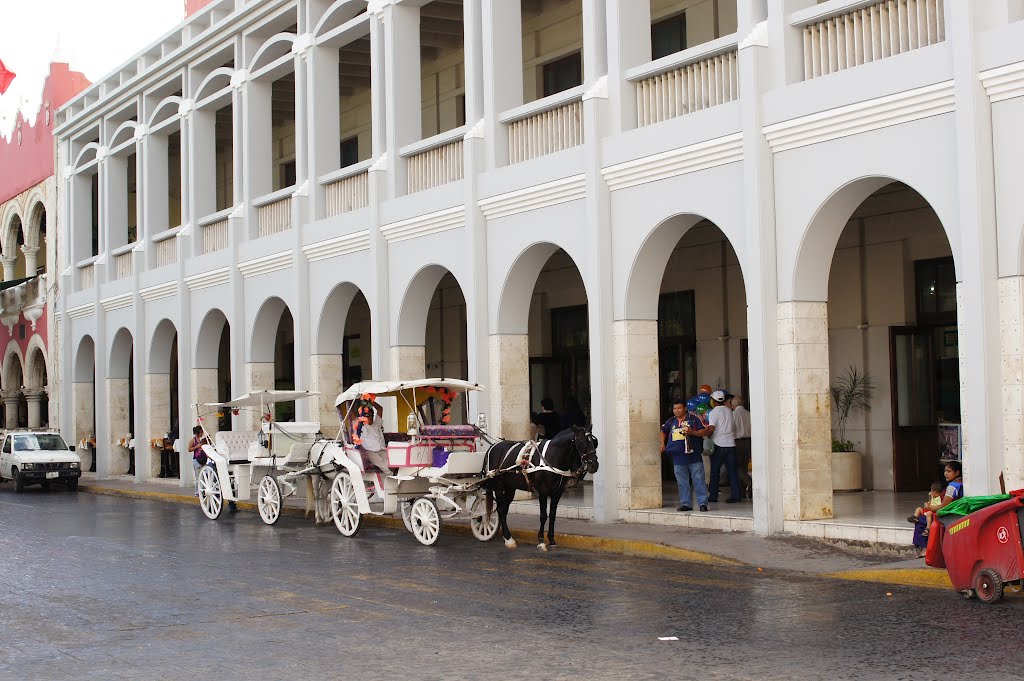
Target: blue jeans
(727, 456)
(687, 473)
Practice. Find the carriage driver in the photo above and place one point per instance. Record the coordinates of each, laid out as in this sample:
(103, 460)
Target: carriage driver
(370, 415)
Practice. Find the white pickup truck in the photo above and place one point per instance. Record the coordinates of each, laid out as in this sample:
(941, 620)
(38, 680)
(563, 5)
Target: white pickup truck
(38, 457)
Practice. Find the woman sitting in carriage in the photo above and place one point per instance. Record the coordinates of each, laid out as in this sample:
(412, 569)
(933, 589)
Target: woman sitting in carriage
(366, 423)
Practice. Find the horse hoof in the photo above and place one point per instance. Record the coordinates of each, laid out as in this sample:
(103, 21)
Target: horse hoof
(542, 547)
(552, 547)
(510, 544)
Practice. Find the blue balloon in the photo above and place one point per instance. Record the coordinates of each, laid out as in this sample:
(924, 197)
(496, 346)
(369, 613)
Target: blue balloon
(691, 404)
(703, 399)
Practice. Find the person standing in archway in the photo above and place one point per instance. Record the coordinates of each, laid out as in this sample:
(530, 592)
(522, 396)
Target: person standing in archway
(741, 419)
(546, 423)
(722, 427)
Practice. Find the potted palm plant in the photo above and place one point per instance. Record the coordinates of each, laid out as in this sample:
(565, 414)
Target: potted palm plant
(851, 392)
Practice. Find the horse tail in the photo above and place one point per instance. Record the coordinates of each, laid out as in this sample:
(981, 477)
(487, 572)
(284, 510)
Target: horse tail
(489, 506)
(310, 497)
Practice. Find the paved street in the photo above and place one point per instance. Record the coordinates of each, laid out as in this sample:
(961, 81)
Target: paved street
(105, 587)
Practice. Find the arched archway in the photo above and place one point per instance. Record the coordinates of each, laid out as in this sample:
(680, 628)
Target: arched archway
(83, 397)
(14, 239)
(121, 426)
(271, 364)
(163, 422)
(211, 368)
(36, 386)
(876, 283)
(35, 241)
(15, 405)
(430, 339)
(541, 350)
(342, 353)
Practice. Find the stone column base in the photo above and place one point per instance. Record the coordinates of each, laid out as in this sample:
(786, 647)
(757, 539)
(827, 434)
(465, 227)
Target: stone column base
(158, 423)
(328, 381)
(408, 362)
(637, 423)
(204, 391)
(509, 386)
(805, 410)
(83, 413)
(1011, 343)
(258, 376)
(117, 427)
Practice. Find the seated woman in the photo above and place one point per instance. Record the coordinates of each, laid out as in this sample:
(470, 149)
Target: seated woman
(953, 473)
(368, 428)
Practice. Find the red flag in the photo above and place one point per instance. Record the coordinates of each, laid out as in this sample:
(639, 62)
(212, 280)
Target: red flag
(5, 78)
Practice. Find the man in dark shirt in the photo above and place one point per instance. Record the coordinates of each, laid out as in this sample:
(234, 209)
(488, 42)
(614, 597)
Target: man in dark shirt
(682, 439)
(547, 422)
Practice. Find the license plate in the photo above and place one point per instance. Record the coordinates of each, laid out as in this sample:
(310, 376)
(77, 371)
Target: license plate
(50, 475)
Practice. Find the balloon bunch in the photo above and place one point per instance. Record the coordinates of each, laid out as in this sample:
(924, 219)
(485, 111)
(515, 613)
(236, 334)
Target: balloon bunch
(700, 403)
(364, 412)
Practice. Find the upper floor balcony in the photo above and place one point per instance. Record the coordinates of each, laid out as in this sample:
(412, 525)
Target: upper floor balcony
(254, 119)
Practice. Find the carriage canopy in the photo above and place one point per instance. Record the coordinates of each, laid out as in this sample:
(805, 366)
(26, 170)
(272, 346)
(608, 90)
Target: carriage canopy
(262, 398)
(396, 388)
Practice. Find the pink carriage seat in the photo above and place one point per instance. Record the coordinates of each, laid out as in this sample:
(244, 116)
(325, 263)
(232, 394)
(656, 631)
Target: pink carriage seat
(448, 431)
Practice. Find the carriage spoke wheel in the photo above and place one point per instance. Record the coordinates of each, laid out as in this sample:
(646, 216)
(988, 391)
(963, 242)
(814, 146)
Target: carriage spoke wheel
(988, 585)
(345, 505)
(211, 500)
(268, 499)
(425, 521)
(483, 528)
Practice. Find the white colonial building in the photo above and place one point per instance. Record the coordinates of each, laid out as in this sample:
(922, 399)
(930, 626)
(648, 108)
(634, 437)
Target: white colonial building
(611, 200)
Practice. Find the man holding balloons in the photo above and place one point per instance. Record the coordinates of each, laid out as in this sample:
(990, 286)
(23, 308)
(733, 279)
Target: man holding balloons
(682, 439)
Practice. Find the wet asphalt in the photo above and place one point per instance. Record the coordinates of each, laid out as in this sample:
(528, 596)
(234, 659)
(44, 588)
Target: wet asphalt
(111, 588)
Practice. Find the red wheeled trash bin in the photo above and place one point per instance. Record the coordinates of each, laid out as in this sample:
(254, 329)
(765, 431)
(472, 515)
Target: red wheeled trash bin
(984, 550)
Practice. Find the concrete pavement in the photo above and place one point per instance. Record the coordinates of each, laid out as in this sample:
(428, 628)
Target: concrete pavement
(779, 553)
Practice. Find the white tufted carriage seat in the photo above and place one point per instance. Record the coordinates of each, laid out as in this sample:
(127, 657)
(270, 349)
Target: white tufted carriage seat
(234, 444)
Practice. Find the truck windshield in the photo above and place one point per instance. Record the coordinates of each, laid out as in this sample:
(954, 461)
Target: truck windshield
(39, 442)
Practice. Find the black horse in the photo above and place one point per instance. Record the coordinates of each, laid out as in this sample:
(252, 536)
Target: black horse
(546, 470)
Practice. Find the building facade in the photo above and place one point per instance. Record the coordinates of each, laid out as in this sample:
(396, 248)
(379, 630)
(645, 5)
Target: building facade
(28, 210)
(603, 201)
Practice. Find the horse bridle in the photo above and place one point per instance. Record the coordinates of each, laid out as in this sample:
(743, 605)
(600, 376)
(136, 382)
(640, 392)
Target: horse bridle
(586, 456)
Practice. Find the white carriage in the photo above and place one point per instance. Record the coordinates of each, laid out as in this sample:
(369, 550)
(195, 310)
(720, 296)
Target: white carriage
(438, 466)
(269, 460)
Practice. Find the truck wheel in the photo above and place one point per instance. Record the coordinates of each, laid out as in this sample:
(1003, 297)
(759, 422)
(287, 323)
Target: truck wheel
(988, 585)
(19, 482)
(73, 485)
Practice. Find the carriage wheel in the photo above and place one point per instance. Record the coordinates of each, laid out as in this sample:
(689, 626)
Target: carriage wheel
(426, 521)
(483, 528)
(268, 500)
(407, 514)
(988, 585)
(211, 500)
(345, 505)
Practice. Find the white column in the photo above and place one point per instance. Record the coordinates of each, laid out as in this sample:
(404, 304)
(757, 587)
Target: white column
(637, 434)
(8, 262)
(1011, 337)
(629, 45)
(31, 259)
(324, 117)
(203, 167)
(977, 267)
(257, 143)
(509, 386)
(11, 400)
(35, 398)
(402, 83)
(503, 72)
(805, 410)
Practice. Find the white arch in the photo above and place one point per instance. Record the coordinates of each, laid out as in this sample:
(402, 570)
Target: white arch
(264, 329)
(331, 324)
(80, 160)
(168, 101)
(265, 47)
(412, 315)
(222, 72)
(353, 9)
(85, 360)
(13, 354)
(120, 354)
(8, 237)
(513, 311)
(813, 260)
(36, 370)
(160, 345)
(32, 229)
(126, 126)
(207, 343)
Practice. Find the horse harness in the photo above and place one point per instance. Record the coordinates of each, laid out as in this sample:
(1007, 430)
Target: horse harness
(524, 461)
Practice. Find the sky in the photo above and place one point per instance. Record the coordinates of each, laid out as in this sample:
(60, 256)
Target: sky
(94, 36)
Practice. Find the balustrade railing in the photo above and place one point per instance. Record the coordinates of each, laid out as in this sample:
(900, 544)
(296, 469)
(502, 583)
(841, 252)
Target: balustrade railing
(689, 87)
(553, 128)
(348, 193)
(866, 34)
(435, 166)
(123, 265)
(87, 276)
(274, 216)
(166, 251)
(215, 235)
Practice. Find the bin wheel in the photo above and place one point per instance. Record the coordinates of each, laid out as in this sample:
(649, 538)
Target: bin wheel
(988, 585)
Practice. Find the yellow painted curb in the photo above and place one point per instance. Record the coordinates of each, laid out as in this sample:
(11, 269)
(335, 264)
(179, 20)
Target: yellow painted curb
(931, 578)
(626, 547)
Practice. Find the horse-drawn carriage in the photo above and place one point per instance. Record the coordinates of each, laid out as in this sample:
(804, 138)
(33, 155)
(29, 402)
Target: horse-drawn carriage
(438, 468)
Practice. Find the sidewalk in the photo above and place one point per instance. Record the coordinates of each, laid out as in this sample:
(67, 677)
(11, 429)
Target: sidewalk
(779, 553)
